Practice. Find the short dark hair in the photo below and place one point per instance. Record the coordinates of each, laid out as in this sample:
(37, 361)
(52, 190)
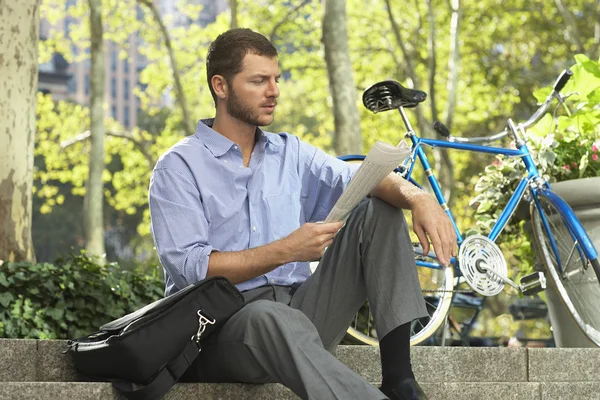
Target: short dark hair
(226, 53)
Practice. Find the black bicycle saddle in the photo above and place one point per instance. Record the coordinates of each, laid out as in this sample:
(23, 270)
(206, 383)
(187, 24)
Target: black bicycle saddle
(389, 95)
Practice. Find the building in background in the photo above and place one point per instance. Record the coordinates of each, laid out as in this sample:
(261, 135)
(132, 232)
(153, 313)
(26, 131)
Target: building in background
(72, 81)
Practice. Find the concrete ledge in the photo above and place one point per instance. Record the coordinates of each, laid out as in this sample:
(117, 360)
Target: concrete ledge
(564, 365)
(482, 391)
(18, 359)
(44, 361)
(181, 391)
(564, 390)
(469, 364)
(435, 391)
(230, 391)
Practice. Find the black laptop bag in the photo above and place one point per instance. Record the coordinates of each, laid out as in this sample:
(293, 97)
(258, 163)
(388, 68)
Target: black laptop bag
(144, 353)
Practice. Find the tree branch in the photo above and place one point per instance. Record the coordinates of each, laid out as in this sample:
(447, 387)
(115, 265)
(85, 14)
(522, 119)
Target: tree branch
(432, 60)
(124, 135)
(571, 26)
(400, 43)
(284, 19)
(594, 51)
(187, 119)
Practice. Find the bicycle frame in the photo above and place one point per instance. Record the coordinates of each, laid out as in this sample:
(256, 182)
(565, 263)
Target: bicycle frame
(531, 180)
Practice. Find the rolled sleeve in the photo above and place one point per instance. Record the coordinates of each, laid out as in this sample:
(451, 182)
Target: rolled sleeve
(179, 228)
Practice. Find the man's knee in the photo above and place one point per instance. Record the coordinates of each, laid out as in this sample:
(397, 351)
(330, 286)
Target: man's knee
(375, 208)
(266, 318)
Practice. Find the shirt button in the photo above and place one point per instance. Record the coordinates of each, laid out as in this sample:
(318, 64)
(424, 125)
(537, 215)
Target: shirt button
(225, 161)
(235, 147)
(272, 280)
(241, 166)
(254, 228)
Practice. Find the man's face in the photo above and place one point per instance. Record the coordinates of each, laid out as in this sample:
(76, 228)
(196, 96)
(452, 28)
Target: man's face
(253, 91)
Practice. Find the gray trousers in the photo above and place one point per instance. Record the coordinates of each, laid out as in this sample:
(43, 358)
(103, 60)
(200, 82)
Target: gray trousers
(286, 337)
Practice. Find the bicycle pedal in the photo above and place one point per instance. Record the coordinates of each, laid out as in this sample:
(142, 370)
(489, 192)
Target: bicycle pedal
(533, 283)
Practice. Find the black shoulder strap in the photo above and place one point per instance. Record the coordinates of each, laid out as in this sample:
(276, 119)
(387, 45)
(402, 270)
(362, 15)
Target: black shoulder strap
(164, 380)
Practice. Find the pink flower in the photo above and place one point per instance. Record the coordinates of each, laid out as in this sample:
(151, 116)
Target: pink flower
(595, 157)
(574, 165)
(594, 149)
(566, 166)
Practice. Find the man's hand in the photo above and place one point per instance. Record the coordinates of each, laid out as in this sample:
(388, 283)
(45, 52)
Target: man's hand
(308, 242)
(430, 222)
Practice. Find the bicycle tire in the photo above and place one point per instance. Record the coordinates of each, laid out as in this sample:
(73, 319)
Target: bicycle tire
(437, 286)
(437, 292)
(575, 277)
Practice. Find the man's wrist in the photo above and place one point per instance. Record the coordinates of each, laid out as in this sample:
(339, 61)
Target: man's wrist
(281, 252)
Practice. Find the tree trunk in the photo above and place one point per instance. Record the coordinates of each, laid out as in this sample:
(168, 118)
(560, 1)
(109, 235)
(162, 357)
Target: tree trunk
(188, 123)
(19, 34)
(442, 160)
(453, 63)
(445, 164)
(348, 138)
(94, 195)
(233, 11)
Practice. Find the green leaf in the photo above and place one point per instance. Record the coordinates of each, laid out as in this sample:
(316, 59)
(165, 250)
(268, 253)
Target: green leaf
(3, 281)
(5, 299)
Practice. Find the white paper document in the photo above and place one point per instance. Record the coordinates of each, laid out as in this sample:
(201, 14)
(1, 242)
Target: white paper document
(381, 160)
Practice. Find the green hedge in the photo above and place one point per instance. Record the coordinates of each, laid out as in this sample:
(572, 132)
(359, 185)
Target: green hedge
(70, 298)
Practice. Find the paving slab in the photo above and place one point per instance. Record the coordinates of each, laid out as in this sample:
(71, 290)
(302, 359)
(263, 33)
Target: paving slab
(482, 391)
(89, 391)
(564, 365)
(44, 361)
(469, 364)
(570, 390)
(18, 360)
(52, 365)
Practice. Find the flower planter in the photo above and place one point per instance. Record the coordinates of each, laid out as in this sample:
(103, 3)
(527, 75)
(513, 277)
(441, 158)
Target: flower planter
(583, 195)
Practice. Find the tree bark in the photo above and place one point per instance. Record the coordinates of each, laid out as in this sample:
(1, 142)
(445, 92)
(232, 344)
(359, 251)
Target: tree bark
(348, 138)
(453, 63)
(445, 165)
(233, 12)
(571, 26)
(442, 160)
(432, 60)
(188, 123)
(94, 194)
(19, 35)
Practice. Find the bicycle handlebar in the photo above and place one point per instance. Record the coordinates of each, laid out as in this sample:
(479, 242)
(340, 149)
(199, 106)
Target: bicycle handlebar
(539, 113)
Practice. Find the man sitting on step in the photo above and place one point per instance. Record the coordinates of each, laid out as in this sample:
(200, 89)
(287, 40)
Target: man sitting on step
(236, 201)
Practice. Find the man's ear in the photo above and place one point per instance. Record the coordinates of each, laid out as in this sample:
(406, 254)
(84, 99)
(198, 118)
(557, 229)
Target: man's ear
(219, 85)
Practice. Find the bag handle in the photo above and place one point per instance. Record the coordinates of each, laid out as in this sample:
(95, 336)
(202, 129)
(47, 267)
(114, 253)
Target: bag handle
(164, 380)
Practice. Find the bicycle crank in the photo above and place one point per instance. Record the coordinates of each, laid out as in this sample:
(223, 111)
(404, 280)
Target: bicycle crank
(483, 265)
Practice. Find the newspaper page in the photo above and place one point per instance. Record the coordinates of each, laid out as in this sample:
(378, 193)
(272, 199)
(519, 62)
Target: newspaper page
(381, 160)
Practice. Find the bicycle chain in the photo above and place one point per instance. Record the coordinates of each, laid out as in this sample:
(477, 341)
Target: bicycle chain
(449, 291)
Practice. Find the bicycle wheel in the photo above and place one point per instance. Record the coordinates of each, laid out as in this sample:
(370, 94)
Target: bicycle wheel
(437, 285)
(575, 277)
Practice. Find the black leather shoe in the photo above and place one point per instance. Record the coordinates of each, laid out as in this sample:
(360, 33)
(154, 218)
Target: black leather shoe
(406, 389)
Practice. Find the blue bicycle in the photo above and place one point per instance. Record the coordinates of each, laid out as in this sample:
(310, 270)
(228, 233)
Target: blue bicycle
(562, 243)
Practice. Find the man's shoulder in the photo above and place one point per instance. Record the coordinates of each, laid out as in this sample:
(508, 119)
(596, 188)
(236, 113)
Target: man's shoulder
(180, 152)
(280, 138)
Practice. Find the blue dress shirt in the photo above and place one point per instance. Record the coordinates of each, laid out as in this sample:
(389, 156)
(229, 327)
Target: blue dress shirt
(203, 199)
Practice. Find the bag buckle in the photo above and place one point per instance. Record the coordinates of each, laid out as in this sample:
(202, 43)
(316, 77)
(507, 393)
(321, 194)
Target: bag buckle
(203, 321)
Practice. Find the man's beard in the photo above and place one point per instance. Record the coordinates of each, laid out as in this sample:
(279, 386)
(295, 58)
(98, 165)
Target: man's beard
(241, 111)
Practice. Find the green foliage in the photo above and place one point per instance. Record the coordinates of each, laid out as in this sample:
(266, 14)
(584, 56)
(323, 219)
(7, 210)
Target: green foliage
(70, 298)
(563, 147)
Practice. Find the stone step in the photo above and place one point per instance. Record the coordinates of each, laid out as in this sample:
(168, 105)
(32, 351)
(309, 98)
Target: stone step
(43, 361)
(206, 391)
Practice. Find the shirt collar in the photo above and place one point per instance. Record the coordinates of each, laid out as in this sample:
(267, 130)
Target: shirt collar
(219, 144)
